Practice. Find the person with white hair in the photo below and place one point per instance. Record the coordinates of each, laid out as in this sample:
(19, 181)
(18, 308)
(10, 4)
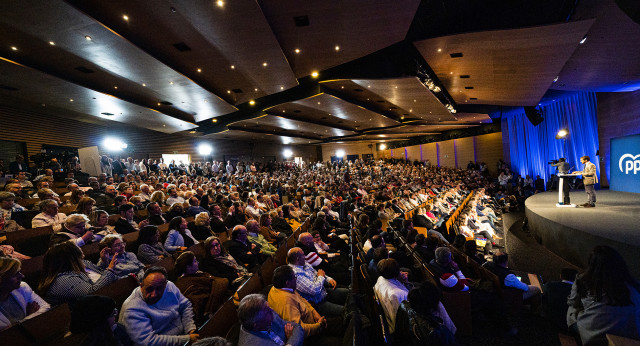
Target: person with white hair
(49, 216)
(145, 193)
(74, 229)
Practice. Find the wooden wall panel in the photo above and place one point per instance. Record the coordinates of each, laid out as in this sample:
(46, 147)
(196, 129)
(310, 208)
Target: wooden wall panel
(329, 149)
(430, 152)
(618, 116)
(447, 154)
(489, 150)
(465, 151)
(37, 129)
(413, 152)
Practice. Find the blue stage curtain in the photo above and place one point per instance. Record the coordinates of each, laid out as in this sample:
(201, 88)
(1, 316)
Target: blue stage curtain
(531, 147)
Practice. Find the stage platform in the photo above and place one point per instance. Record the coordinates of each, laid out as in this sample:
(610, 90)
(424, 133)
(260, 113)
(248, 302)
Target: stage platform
(572, 233)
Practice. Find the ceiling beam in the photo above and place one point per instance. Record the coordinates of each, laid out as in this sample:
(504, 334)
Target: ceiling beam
(275, 133)
(311, 121)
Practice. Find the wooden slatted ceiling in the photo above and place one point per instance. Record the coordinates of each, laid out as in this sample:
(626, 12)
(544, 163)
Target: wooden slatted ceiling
(591, 66)
(357, 27)
(53, 92)
(347, 111)
(261, 138)
(505, 67)
(116, 61)
(410, 95)
(299, 127)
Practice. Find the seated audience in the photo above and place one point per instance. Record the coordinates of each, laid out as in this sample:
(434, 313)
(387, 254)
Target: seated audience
(390, 290)
(175, 210)
(259, 325)
(8, 205)
(195, 208)
(179, 237)
(18, 302)
(201, 228)
(254, 237)
(447, 271)
(93, 322)
(74, 229)
(150, 249)
(205, 291)
(268, 232)
(218, 262)
(554, 298)
(99, 219)
(126, 263)
(125, 223)
(217, 222)
(49, 216)
(66, 276)
(311, 285)
(499, 266)
(156, 313)
(155, 213)
(239, 247)
(604, 299)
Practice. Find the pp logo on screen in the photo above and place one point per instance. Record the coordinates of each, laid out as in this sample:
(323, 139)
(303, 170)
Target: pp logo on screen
(631, 163)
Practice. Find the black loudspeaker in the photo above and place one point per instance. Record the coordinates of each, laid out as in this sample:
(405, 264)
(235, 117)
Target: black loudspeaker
(631, 8)
(533, 115)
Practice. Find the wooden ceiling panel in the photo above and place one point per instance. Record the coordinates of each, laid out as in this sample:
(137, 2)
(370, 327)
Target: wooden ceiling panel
(410, 95)
(35, 86)
(505, 67)
(262, 138)
(295, 126)
(346, 111)
(357, 27)
(112, 65)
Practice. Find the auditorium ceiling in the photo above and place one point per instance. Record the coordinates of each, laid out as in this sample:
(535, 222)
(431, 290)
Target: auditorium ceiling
(300, 72)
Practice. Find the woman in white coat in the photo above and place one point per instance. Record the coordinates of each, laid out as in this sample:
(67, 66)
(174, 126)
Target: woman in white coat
(18, 302)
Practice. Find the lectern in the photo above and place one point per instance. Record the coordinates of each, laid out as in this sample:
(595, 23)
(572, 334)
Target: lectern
(564, 202)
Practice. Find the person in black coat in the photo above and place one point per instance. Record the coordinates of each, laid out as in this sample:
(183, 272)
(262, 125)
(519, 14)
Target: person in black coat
(235, 217)
(244, 252)
(125, 223)
(554, 298)
(155, 214)
(218, 262)
(216, 222)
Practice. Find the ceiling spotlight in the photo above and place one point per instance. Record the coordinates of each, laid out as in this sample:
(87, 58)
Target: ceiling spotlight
(584, 39)
(52, 43)
(556, 79)
(115, 87)
(314, 74)
(436, 89)
(192, 132)
(199, 70)
(220, 3)
(337, 48)
(252, 102)
(233, 67)
(214, 120)
(439, 50)
(14, 48)
(287, 153)
(281, 87)
(87, 37)
(70, 100)
(297, 51)
(383, 146)
(340, 153)
(255, 89)
(125, 17)
(264, 64)
(144, 85)
(228, 91)
(114, 144)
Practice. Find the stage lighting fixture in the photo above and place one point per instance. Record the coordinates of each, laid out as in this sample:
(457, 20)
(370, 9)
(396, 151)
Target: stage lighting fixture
(340, 153)
(114, 144)
(205, 149)
(383, 146)
(562, 133)
(287, 153)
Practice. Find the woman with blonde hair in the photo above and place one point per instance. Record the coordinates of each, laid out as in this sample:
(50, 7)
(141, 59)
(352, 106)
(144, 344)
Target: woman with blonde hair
(157, 196)
(201, 229)
(18, 302)
(85, 206)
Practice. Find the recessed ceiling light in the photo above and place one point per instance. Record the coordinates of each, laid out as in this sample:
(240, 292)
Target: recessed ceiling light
(233, 67)
(192, 132)
(52, 43)
(252, 102)
(158, 103)
(125, 17)
(318, 102)
(144, 85)
(163, 125)
(70, 100)
(171, 83)
(228, 91)
(342, 87)
(255, 89)
(87, 37)
(264, 64)
(314, 74)
(199, 70)
(439, 50)
(14, 48)
(297, 51)
(281, 87)
(584, 39)
(220, 3)
(337, 48)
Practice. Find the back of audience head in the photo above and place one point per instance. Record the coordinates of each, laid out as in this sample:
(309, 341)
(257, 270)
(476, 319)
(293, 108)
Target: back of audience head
(470, 247)
(501, 258)
(60, 258)
(183, 261)
(380, 254)
(295, 256)
(425, 298)
(443, 255)
(459, 240)
(420, 240)
(94, 316)
(283, 276)
(607, 274)
(254, 313)
(389, 268)
(147, 235)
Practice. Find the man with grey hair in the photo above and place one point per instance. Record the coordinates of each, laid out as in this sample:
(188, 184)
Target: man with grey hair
(16, 189)
(447, 271)
(74, 229)
(145, 193)
(72, 187)
(262, 326)
(254, 237)
(49, 216)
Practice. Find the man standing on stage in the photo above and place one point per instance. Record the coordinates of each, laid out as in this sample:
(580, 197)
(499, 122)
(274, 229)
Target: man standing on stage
(589, 179)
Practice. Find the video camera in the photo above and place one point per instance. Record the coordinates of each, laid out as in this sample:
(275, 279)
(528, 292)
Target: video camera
(553, 162)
